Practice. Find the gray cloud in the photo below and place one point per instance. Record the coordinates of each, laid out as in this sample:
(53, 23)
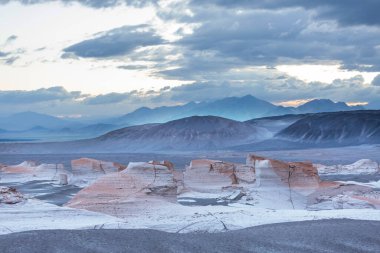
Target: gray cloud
(37, 96)
(110, 98)
(376, 81)
(244, 33)
(133, 67)
(10, 60)
(11, 38)
(275, 90)
(116, 42)
(238, 34)
(90, 3)
(232, 37)
(69, 55)
(4, 54)
(58, 101)
(348, 12)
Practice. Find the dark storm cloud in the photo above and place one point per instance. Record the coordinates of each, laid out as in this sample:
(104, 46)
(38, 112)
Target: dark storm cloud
(37, 96)
(228, 39)
(116, 42)
(348, 12)
(257, 37)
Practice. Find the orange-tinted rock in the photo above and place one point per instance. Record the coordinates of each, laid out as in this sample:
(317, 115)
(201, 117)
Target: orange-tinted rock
(211, 175)
(295, 174)
(87, 170)
(29, 171)
(83, 164)
(372, 197)
(140, 187)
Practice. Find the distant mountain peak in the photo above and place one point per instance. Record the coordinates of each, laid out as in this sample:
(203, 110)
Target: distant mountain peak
(326, 105)
(236, 108)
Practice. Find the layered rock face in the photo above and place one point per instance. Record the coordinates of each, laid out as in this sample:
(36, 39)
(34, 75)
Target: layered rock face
(155, 178)
(209, 175)
(211, 180)
(141, 187)
(152, 188)
(87, 170)
(343, 196)
(29, 171)
(9, 195)
(307, 190)
(364, 166)
(297, 175)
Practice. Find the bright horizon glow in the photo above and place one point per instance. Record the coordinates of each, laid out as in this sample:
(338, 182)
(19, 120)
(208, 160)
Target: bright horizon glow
(323, 73)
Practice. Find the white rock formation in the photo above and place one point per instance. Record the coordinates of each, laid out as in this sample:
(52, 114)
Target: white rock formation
(146, 195)
(87, 170)
(30, 171)
(141, 188)
(9, 195)
(364, 167)
(213, 182)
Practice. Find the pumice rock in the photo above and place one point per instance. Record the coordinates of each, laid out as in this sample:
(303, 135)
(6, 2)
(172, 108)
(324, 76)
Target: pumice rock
(31, 171)
(141, 187)
(298, 175)
(9, 195)
(361, 167)
(87, 170)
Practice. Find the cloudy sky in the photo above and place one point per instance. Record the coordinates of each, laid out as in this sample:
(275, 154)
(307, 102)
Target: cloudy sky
(77, 58)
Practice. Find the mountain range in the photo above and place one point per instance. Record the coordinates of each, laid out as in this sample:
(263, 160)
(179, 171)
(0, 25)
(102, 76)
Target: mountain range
(31, 126)
(356, 127)
(236, 108)
(211, 133)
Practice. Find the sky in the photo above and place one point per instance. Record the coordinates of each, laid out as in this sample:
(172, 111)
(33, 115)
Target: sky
(89, 58)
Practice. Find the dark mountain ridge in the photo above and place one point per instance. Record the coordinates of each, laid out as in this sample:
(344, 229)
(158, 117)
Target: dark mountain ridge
(354, 127)
(211, 133)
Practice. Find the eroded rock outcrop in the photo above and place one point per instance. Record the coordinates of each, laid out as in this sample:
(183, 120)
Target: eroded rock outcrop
(9, 195)
(30, 171)
(150, 188)
(361, 167)
(297, 175)
(303, 178)
(343, 196)
(216, 182)
(212, 175)
(140, 187)
(87, 170)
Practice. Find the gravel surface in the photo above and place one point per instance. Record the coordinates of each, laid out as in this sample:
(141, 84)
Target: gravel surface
(306, 236)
